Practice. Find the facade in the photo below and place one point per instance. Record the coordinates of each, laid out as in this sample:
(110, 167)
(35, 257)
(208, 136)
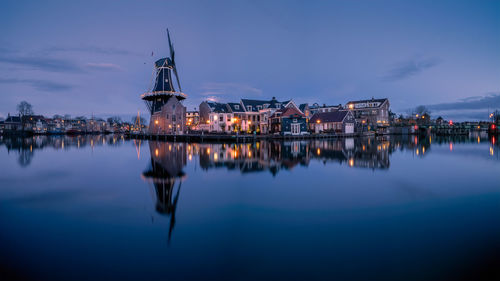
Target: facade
(171, 119)
(340, 121)
(216, 117)
(13, 124)
(374, 112)
(192, 119)
(289, 121)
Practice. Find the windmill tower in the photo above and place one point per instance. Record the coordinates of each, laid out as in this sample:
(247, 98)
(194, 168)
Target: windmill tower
(163, 100)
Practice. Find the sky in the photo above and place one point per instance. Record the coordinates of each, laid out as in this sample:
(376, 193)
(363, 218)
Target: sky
(96, 57)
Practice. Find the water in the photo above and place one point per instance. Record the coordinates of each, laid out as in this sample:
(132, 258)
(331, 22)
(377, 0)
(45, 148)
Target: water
(102, 208)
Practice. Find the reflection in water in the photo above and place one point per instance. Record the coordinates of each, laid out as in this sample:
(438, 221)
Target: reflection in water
(167, 162)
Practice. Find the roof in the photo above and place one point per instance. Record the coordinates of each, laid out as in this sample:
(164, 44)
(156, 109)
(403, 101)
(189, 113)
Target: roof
(254, 103)
(218, 107)
(326, 117)
(236, 107)
(303, 106)
(13, 119)
(381, 101)
(289, 111)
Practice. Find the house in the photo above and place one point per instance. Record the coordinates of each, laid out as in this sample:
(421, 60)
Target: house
(258, 113)
(374, 112)
(170, 119)
(192, 119)
(304, 107)
(13, 124)
(340, 121)
(289, 121)
(216, 117)
(239, 116)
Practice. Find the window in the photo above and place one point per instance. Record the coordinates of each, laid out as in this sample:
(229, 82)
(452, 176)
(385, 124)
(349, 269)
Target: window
(166, 116)
(237, 106)
(278, 105)
(294, 120)
(173, 117)
(259, 107)
(249, 108)
(221, 118)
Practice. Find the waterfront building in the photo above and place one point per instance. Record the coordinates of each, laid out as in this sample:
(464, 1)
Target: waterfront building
(168, 114)
(340, 121)
(192, 119)
(239, 116)
(374, 112)
(258, 112)
(13, 124)
(289, 121)
(215, 117)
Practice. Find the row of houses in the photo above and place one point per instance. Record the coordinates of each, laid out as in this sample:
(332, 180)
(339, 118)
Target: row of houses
(38, 124)
(287, 118)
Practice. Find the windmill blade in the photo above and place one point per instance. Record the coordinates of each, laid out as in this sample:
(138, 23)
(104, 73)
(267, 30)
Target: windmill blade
(177, 78)
(171, 47)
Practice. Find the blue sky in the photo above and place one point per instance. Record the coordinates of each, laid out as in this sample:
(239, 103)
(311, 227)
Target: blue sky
(84, 57)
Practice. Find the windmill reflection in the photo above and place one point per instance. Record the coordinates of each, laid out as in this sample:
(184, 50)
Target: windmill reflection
(165, 172)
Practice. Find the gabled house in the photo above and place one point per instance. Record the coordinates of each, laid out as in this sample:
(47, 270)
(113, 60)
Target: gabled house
(340, 121)
(373, 112)
(13, 124)
(289, 121)
(216, 117)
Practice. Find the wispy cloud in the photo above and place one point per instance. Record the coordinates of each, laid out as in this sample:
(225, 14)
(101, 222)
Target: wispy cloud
(91, 49)
(41, 85)
(491, 100)
(102, 66)
(43, 63)
(217, 91)
(410, 68)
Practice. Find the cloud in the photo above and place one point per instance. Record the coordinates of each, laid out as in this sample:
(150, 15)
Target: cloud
(41, 85)
(43, 63)
(491, 100)
(91, 49)
(229, 90)
(103, 66)
(410, 68)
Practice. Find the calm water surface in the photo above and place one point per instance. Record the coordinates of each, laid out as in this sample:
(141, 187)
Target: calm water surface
(106, 208)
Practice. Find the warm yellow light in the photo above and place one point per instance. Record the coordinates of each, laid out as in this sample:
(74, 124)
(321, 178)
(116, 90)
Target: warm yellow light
(216, 156)
(351, 162)
(351, 106)
(249, 122)
(156, 122)
(156, 152)
(318, 151)
(208, 121)
(318, 121)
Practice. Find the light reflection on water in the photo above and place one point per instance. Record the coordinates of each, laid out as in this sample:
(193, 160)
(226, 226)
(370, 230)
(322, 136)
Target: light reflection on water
(397, 208)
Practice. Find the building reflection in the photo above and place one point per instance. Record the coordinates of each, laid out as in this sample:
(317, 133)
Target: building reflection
(165, 173)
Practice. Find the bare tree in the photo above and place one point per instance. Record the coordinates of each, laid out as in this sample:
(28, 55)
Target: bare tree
(25, 108)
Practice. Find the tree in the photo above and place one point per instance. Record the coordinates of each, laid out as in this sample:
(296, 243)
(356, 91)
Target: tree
(421, 110)
(24, 108)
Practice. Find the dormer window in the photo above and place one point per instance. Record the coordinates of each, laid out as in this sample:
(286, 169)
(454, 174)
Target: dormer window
(249, 108)
(278, 105)
(237, 106)
(259, 107)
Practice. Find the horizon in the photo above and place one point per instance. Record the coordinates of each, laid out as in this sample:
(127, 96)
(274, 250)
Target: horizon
(441, 55)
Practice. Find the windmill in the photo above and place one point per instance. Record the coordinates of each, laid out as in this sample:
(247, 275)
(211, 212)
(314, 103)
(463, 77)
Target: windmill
(162, 88)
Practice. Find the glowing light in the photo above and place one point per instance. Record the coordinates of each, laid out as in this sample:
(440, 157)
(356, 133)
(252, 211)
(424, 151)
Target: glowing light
(351, 106)
(216, 157)
(491, 151)
(156, 122)
(208, 121)
(157, 152)
(417, 151)
(318, 151)
(190, 157)
(451, 122)
(351, 162)
(318, 121)
(208, 150)
(451, 146)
